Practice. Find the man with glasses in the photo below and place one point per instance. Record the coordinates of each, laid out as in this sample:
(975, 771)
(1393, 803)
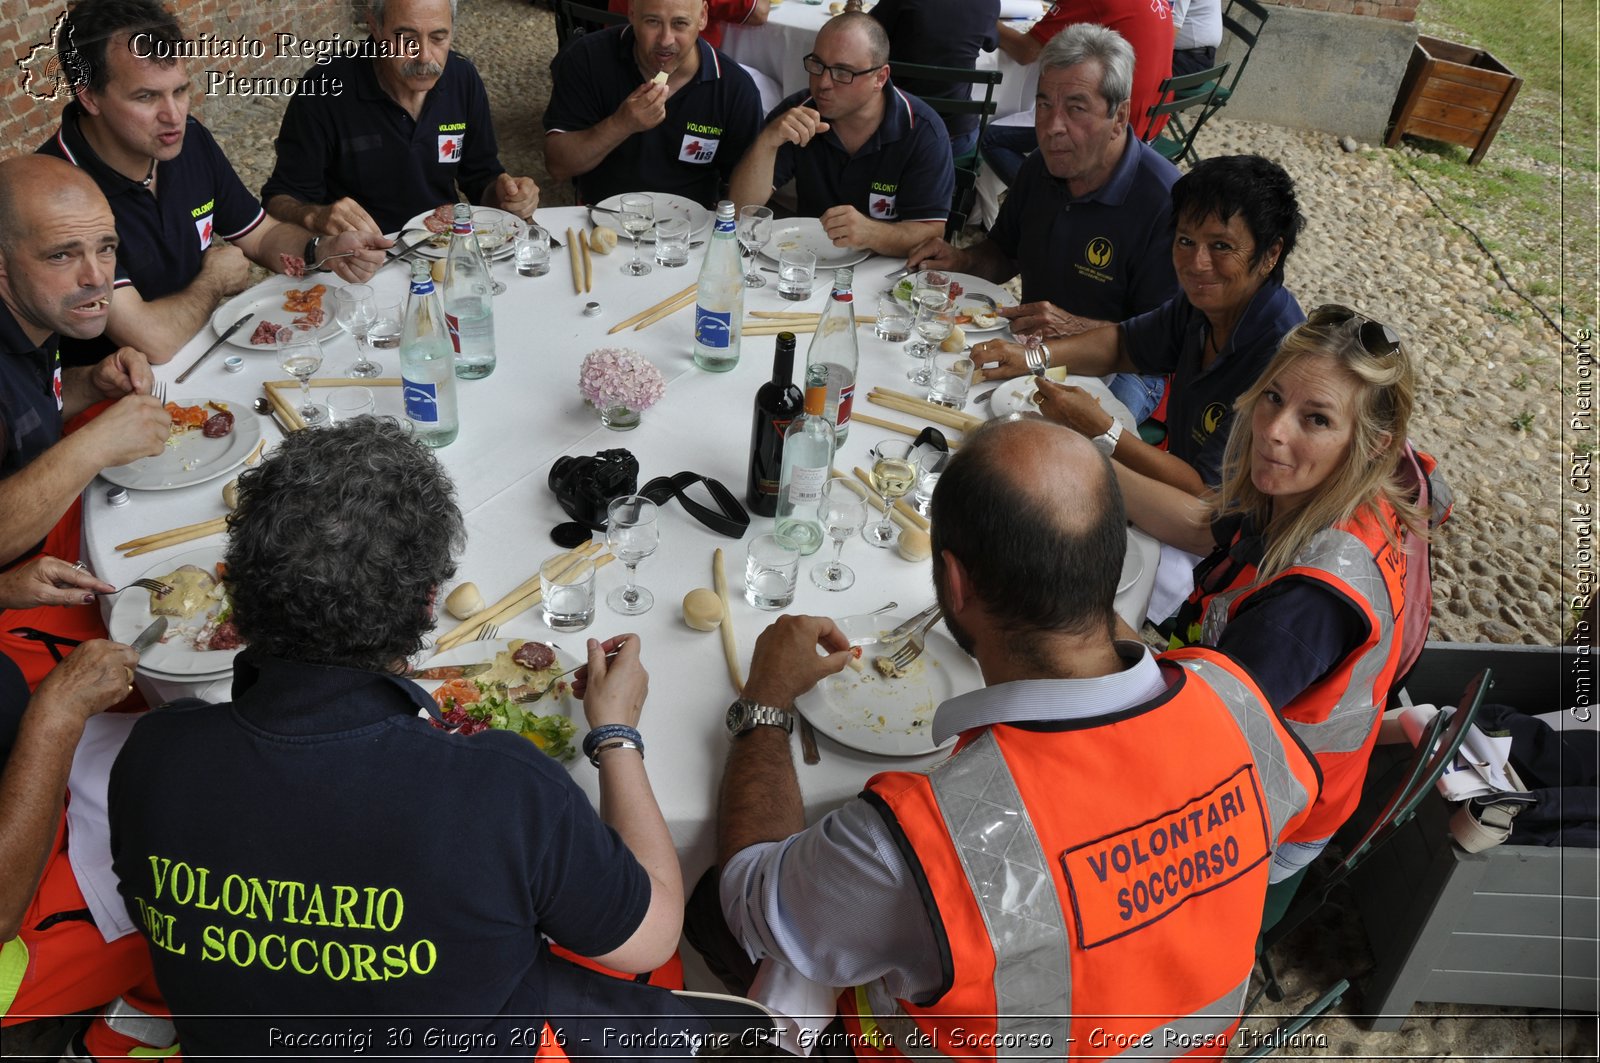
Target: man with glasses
(612, 128)
(870, 161)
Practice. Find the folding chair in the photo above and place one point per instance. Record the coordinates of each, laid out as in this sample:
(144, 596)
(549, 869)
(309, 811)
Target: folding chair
(966, 165)
(1435, 750)
(573, 20)
(1178, 97)
(1244, 20)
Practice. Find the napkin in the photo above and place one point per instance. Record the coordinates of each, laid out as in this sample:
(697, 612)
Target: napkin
(89, 827)
(1174, 582)
(803, 1007)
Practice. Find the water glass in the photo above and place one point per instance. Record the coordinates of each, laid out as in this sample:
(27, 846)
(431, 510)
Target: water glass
(533, 253)
(796, 269)
(930, 466)
(771, 567)
(384, 332)
(672, 239)
(935, 320)
(568, 588)
(300, 355)
(494, 232)
(354, 309)
(842, 511)
(346, 404)
(951, 375)
(894, 319)
(754, 229)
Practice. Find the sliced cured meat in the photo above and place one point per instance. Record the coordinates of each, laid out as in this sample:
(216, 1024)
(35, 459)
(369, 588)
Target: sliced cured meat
(442, 220)
(217, 425)
(299, 300)
(265, 334)
(225, 636)
(534, 656)
(186, 417)
(293, 265)
(311, 319)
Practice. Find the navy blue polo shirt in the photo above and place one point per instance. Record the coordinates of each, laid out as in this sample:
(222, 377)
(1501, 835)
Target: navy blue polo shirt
(1105, 256)
(710, 122)
(902, 173)
(362, 145)
(30, 395)
(940, 33)
(1172, 339)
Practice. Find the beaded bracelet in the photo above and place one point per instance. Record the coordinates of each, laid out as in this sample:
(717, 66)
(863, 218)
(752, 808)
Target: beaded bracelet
(606, 732)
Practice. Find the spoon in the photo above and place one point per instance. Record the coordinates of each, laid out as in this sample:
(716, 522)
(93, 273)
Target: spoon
(262, 406)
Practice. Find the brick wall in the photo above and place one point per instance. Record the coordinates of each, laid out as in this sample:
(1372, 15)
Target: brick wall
(25, 121)
(1398, 10)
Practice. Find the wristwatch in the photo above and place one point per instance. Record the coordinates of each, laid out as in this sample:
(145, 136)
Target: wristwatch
(1106, 442)
(745, 715)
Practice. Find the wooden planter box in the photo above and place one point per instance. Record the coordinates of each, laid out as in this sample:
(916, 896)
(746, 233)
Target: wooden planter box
(1453, 93)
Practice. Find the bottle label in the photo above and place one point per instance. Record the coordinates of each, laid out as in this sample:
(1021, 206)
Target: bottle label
(805, 485)
(726, 226)
(422, 402)
(847, 395)
(422, 287)
(454, 327)
(713, 328)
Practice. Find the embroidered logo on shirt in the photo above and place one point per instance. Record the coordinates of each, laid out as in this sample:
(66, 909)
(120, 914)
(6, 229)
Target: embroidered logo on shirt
(882, 208)
(450, 147)
(1099, 252)
(56, 383)
(202, 226)
(1210, 421)
(698, 149)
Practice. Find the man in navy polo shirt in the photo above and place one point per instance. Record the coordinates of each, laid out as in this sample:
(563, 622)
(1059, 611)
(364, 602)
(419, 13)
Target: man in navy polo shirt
(612, 129)
(170, 186)
(408, 128)
(870, 161)
(942, 33)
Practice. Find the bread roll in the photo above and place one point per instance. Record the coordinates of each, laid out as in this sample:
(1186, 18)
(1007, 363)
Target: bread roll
(914, 544)
(702, 609)
(956, 341)
(230, 493)
(464, 601)
(603, 240)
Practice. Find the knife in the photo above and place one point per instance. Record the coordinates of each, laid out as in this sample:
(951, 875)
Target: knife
(451, 671)
(218, 342)
(406, 249)
(150, 635)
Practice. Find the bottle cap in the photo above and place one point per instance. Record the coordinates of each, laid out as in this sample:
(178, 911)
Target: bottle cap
(591, 309)
(117, 496)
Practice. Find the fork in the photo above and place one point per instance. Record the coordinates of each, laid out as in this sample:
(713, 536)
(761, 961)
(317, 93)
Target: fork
(159, 392)
(488, 632)
(913, 646)
(151, 585)
(1033, 354)
(527, 697)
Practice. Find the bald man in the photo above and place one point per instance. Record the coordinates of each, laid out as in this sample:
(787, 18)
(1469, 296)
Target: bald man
(872, 162)
(1010, 864)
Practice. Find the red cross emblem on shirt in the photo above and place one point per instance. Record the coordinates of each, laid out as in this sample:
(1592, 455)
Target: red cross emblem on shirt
(882, 206)
(448, 147)
(205, 233)
(693, 147)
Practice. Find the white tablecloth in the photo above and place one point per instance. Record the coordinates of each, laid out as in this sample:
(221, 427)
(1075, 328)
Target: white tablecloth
(527, 414)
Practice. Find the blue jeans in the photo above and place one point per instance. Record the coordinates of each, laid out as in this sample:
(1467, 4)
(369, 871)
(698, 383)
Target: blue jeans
(1005, 146)
(1140, 394)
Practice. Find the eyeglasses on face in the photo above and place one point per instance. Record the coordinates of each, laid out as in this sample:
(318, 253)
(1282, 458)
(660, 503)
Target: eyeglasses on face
(841, 75)
(1376, 337)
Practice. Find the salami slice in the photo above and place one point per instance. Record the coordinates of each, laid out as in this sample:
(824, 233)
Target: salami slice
(265, 334)
(293, 265)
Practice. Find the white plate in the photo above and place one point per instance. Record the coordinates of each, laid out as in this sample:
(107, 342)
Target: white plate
(1016, 396)
(808, 233)
(890, 717)
(174, 656)
(511, 227)
(1132, 565)
(964, 305)
(700, 218)
(265, 300)
(191, 458)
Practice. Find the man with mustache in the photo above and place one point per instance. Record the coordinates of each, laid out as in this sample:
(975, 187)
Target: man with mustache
(411, 126)
(170, 186)
(612, 128)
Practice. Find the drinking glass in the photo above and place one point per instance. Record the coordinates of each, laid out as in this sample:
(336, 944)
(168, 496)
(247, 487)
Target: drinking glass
(384, 332)
(489, 226)
(533, 253)
(771, 566)
(796, 269)
(842, 510)
(568, 591)
(951, 376)
(893, 476)
(632, 535)
(300, 355)
(637, 213)
(930, 466)
(346, 404)
(894, 319)
(672, 239)
(354, 309)
(755, 227)
(936, 317)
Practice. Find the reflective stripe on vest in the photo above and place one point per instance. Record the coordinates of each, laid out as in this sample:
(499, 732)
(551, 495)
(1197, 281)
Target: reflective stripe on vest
(13, 965)
(1286, 796)
(1212, 1024)
(1348, 562)
(148, 1029)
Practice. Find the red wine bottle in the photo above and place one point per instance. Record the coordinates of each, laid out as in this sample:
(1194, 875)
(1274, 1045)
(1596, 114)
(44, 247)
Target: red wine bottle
(778, 402)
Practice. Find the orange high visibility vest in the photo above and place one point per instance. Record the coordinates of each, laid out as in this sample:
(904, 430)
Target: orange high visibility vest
(1338, 716)
(1095, 885)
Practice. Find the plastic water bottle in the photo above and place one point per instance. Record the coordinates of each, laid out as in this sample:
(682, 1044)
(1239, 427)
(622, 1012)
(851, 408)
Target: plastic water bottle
(469, 300)
(427, 363)
(835, 345)
(719, 298)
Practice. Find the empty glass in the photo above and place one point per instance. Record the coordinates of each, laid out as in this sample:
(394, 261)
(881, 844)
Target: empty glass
(533, 253)
(567, 587)
(771, 567)
(894, 319)
(637, 215)
(300, 355)
(346, 404)
(354, 309)
(930, 466)
(842, 510)
(796, 269)
(893, 475)
(672, 239)
(632, 535)
(755, 227)
(951, 376)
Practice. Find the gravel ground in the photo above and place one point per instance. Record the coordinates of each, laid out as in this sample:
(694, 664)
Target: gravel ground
(1491, 408)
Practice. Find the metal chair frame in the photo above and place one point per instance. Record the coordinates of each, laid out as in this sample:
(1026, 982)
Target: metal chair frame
(1179, 95)
(573, 20)
(967, 166)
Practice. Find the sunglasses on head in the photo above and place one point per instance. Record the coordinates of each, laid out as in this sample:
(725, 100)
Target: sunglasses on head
(1376, 337)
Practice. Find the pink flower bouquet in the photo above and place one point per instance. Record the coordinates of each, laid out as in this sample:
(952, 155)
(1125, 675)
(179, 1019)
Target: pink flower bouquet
(617, 376)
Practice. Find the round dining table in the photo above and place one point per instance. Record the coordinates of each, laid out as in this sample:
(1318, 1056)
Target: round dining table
(517, 422)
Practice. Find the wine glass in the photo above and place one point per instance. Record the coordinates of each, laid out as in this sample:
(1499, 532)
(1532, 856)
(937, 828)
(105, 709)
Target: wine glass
(300, 355)
(355, 310)
(632, 535)
(493, 229)
(637, 213)
(755, 226)
(935, 320)
(842, 510)
(893, 475)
